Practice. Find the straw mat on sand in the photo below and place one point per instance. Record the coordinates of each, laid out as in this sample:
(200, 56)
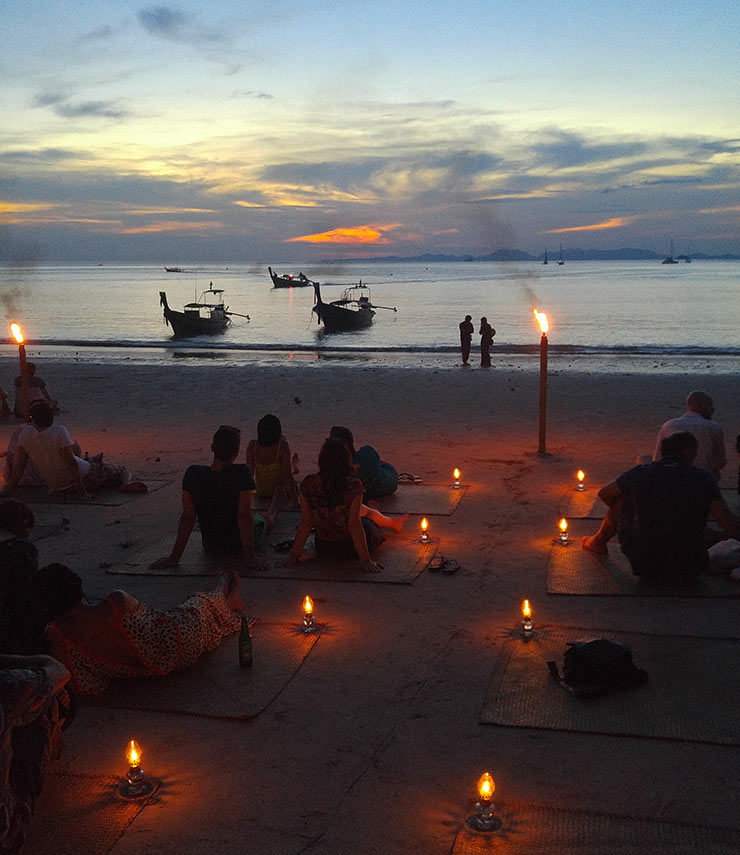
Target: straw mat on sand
(529, 828)
(588, 505)
(571, 570)
(216, 686)
(692, 693)
(106, 497)
(80, 815)
(401, 558)
(427, 499)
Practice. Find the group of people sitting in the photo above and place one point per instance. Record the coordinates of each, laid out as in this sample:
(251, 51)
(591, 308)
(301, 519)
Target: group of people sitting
(37, 391)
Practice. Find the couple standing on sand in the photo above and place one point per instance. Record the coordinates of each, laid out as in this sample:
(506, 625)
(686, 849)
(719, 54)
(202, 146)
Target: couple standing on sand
(487, 332)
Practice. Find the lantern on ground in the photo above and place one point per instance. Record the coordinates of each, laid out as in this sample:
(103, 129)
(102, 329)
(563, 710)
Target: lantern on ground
(527, 622)
(456, 478)
(308, 623)
(563, 530)
(484, 818)
(581, 477)
(135, 784)
(424, 526)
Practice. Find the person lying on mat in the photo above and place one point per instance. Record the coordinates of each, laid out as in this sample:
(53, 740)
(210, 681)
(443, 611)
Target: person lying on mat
(122, 637)
(55, 455)
(659, 511)
(378, 477)
(273, 468)
(331, 503)
(219, 496)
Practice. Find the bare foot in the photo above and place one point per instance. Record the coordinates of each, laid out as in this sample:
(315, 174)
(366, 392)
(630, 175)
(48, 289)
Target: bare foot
(231, 593)
(399, 522)
(594, 546)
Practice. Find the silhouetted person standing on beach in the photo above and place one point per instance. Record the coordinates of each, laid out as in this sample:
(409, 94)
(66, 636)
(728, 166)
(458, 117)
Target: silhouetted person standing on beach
(466, 335)
(487, 332)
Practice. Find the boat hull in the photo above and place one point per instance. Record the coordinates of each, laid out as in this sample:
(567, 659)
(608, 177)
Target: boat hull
(186, 324)
(288, 281)
(339, 319)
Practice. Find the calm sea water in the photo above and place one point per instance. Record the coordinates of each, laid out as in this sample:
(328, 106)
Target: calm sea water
(617, 309)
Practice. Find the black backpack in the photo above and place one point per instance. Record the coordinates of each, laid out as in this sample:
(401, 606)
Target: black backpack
(598, 667)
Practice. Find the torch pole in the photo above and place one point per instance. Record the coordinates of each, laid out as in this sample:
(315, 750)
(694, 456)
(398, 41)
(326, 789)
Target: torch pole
(24, 379)
(543, 395)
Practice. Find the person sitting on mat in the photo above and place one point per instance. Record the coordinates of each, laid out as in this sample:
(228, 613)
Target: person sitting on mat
(55, 455)
(378, 477)
(122, 637)
(331, 503)
(273, 468)
(219, 496)
(659, 511)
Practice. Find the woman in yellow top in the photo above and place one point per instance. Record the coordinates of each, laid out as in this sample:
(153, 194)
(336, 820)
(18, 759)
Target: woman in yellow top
(273, 468)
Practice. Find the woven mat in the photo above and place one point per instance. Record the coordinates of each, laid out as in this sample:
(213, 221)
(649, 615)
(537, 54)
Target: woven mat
(80, 815)
(426, 499)
(216, 686)
(692, 694)
(573, 571)
(402, 560)
(588, 505)
(529, 829)
(106, 497)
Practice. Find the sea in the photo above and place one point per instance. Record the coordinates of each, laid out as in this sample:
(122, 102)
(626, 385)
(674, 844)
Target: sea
(603, 315)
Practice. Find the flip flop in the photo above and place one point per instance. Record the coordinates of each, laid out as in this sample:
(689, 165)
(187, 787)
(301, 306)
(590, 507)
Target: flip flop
(283, 546)
(436, 562)
(450, 566)
(408, 478)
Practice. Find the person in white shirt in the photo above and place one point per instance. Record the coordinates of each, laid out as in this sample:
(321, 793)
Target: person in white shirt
(697, 420)
(55, 454)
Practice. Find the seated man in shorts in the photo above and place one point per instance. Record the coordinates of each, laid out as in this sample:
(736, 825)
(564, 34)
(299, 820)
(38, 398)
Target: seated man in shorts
(659, 511)
(219, 496)
(56, 456)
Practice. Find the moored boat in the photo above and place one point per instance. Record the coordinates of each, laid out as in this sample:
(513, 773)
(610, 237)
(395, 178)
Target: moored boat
(352, 311)
(290, 281)
(203, 317)
(669, 259)
(173, 269)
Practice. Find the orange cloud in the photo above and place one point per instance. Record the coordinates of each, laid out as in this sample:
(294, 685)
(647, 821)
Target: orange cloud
(614, 223)
(172, 226)
(370, 234)
(727, 209)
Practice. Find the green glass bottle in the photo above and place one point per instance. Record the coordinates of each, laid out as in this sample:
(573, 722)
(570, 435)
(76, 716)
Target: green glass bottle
(245, 644)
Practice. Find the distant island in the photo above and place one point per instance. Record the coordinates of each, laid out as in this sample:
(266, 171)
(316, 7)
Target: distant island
(572, 254)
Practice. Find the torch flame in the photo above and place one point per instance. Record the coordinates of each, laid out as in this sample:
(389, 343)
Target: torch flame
(308, 605)
(526, 609)
(541, 320)
(17, 334)
(456, 474)
(486, 786)
(580, 475)
(563, 524)
(133, 753)
(424, 524)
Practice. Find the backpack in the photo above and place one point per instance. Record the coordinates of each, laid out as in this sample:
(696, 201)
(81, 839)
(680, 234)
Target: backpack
(598, 667)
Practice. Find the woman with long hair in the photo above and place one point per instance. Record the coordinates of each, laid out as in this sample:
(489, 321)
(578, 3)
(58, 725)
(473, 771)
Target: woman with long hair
(273, 468)
(331, 503)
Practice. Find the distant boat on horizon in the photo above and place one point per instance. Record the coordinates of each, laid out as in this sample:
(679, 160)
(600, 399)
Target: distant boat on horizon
(545, 261)
(669, 259)
(561, 255)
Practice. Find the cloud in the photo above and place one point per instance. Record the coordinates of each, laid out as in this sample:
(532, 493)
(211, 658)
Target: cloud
(44, 155)
(95, 109)
(172, 226)
(568, 149)
(355, 235)
(613, 223)
(164, 22)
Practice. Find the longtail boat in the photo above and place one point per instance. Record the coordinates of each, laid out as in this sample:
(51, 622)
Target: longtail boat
(202, 317)
(352, 311)
(290, 281)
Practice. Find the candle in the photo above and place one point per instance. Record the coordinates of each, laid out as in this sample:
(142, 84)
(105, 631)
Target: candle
(563, 529)
(484, 818)
(308, 624)
(135, 783)
(580, 475)
(456, 477)
(527, 624)
(424, 530)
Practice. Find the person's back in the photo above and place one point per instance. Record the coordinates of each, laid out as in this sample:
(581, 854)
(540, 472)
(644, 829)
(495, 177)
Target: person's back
(215, 494)
(709, 435)
(44, 445)
(670, 500)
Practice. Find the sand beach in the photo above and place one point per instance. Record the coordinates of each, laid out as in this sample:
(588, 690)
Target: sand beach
(375, 743)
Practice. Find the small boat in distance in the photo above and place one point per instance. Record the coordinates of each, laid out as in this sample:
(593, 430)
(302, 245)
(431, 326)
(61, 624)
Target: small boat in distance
(352, 311)
(173, 269)
(561, 255)
(545, 261)
(203, 317)
(290, 281)
(669, 259)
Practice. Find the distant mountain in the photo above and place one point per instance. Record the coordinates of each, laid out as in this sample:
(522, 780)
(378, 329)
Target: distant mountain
(571, 254)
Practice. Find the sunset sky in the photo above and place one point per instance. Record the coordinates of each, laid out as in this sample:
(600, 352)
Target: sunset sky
(286, 131)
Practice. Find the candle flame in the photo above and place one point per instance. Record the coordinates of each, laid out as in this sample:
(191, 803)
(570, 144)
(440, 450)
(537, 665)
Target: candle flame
(541, 320)
(526, 609)
(486, 786)
(563, 524)
(133, 753)
(580, 475)
(17, 333)
(424, 524)
(456, 474)
(308, 605)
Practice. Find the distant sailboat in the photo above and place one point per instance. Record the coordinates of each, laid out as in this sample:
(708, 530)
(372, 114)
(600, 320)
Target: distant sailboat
(561, 255)
(669, 259)
(545, 261)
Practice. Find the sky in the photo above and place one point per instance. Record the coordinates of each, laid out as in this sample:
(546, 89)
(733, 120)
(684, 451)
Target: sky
(286, 131)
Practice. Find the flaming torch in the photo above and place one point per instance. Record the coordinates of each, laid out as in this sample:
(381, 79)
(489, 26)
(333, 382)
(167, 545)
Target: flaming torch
(544, 326)
(17, 333)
